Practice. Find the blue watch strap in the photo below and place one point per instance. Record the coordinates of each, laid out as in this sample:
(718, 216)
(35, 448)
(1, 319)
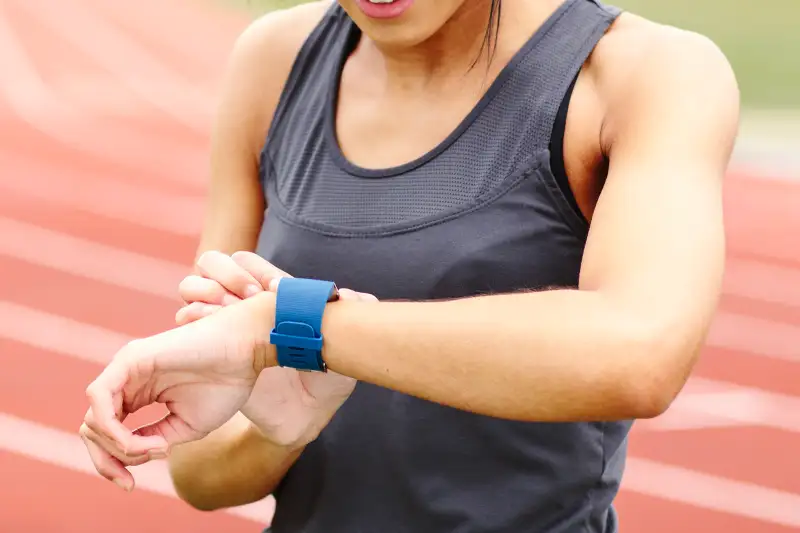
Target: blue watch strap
(297, 336)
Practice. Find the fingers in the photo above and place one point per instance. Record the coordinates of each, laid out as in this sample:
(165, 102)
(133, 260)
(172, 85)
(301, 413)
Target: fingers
(199, 289)
(347, 294)
(258, 267)
(103, 417)
(228, 271)
(224, 270)
(344, 294)
(110, 444)
(224, 281)
(106, 464)
(109, 461)
(195, 311)
(106, 412)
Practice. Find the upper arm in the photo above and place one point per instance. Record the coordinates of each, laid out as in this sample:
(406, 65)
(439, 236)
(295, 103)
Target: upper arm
(656, 245)
(257, 70)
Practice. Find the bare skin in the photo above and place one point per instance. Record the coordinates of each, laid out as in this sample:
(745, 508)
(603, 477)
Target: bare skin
(649, 133)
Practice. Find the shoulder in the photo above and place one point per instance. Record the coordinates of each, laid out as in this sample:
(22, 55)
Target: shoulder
(274, 39)
(261, 60)
(645, 71)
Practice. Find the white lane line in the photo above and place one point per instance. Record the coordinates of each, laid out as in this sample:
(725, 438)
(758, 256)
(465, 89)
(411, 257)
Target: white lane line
(90, 260)
(58, 334)
(642, 476)
(725, 495)
(756, 336)
(66, 450)
(97, 345)
(36, 104)
(762, 281)
(115, 199)
(713, 404)
(181, 215)
(100, 95)
(20, 82)
(124, 58)
(703, 403)
(181, 26)
(759, 166)
(157, 277)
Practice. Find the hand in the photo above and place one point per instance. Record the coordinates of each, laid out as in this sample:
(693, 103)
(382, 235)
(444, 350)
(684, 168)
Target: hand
(289, 407)
(222, 280)
(203, 373)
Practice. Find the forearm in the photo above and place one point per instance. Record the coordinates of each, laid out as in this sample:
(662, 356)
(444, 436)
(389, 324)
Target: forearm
(230, 236)
(562, 355)
(233, 466)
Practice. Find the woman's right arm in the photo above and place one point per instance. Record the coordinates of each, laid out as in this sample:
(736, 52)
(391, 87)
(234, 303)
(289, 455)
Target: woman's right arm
(236, 465)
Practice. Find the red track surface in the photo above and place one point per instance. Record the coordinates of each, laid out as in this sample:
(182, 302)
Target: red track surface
(104, 111)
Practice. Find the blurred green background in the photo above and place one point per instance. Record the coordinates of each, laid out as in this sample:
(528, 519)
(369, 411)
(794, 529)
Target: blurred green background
(761, 39)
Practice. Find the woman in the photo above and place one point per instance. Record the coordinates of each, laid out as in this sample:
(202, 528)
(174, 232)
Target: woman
(534, 193)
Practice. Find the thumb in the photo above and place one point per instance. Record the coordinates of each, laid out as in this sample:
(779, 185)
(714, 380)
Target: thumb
(348, 294)
(259, 268)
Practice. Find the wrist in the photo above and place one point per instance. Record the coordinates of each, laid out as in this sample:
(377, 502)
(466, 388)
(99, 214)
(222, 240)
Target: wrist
(263, 307)
(285, 446)
(343, 325)
(300, 305)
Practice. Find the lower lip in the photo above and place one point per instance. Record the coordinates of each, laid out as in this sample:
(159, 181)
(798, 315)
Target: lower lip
(384, 11)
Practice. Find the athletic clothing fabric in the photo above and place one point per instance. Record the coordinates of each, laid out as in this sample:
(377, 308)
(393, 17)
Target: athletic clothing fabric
(483, 212)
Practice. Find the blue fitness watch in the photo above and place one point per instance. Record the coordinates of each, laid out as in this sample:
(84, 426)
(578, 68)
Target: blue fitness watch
(297, 335)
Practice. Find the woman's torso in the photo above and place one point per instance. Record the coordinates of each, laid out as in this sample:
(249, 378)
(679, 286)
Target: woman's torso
(483, 212)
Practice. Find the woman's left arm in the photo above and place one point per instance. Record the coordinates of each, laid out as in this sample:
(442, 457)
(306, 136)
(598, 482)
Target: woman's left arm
(624, 343)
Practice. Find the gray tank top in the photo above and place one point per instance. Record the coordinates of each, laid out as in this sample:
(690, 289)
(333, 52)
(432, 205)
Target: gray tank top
(481, 213)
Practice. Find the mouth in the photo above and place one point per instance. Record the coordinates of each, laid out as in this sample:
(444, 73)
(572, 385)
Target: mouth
(384, 9)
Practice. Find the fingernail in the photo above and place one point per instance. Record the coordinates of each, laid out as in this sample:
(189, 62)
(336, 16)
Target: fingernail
(121, 484)
(209, 309)
(251, 290)
(273, 285)
(230, 299)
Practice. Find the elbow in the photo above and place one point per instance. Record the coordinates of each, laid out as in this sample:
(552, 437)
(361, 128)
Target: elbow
(650, 401)
(199, 503)
(660, 368)
(194, 487)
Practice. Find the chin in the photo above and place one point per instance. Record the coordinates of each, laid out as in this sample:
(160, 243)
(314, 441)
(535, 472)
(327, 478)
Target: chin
(402, 23)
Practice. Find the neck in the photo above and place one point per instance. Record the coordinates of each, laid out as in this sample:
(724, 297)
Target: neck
(459, 46)
(450, 52)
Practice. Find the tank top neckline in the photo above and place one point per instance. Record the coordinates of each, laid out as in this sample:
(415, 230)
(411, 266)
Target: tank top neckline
(353, 34)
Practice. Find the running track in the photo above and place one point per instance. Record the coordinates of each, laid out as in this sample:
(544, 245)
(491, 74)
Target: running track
(104, 113)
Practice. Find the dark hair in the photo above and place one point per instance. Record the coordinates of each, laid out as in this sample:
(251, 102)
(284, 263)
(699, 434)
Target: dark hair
(490, 36)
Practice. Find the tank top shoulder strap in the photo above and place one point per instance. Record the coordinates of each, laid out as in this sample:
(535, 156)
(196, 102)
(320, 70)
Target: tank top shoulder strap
(310, 70)
(547, 66)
